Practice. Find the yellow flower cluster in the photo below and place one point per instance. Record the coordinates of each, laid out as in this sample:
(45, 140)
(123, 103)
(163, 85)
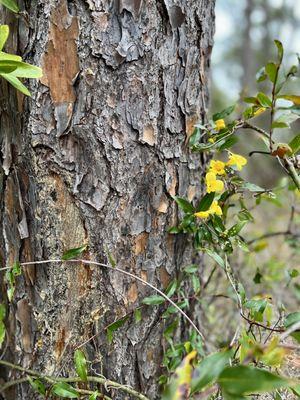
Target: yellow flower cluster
(220, 124)
(213, 184)
(213, 209)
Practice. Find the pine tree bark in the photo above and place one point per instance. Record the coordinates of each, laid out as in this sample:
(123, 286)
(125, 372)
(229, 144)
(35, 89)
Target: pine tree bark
(94, 157)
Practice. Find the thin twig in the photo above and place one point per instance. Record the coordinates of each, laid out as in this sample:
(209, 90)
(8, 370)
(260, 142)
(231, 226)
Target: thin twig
(96, 379)
(116, 269)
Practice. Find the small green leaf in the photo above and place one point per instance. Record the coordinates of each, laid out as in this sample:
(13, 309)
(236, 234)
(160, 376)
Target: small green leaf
(80, 364)
(153, 300)
(63, 389)
(242, 380)
(235, 229)
(73, 253)
(290, 320)
(251, 100)
(280, 50)
(195, 137)
(206, 202)
(7, 66)
(280, 125)
(137, 315)
(174, 230)
(258, 277)
(295, 144)
(185, 205)
(113, 327)
(12, 57)
(271, 70)
(16, 269)
(4, 32)
(110, 257)
(2, 312)
(11, 5)
(209, 370)
(15, 82)
(37, 385)
(231, 141)
(261, 75)
(215, 256)
(94, 396)
(264, 100)
(171, 288)
(224, 113)
(25, 70)
(2, 333)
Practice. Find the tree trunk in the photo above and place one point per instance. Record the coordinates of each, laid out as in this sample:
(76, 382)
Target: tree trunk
(94, 157)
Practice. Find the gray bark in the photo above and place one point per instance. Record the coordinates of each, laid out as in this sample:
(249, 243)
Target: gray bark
(94, 157)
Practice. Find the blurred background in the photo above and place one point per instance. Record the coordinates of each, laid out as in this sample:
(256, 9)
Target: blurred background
(245, 31)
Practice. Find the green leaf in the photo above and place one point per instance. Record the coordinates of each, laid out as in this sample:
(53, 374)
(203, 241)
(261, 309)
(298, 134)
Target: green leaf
(258, 277)
(113, 327)
(7, 66)
(15, 82)
(231, 141)
(261, 75)
(264, 100)
(205, 202)
(25, 70)
(242, 380)
(271, 70)
(94, 396)
(215, 256)
(80, 364)
(16, 269)
(280, 125)
(224, 113)
(37, 385)
(251, 100)
(11, 5)
(290, 320)
(295, 144)
(280, 50)
(235, 229)
(153, 300)
(73, 253)
(209, 370)
(11, 57)
(4, 32)
(195, 137)
(110, 257)
(2, 333)
(63, 389)
(252, 187)
(185, 205)
(137, 315)
(258, 306)
(2, 312)
(171, 288)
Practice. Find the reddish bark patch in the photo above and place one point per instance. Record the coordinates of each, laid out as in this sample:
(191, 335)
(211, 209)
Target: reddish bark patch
(60, 62)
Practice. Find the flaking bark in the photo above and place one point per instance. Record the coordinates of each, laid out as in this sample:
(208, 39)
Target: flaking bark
(94, 157)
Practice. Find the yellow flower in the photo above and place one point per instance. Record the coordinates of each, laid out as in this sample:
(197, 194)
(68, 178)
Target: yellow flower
(202, 214)
(212, 183)
(217, 167)
(237, 160)
(211, 140)
(220, 124)
(259, 111)
(213, 209)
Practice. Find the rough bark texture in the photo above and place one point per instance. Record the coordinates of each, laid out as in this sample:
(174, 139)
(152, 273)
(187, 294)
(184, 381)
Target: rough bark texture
(94, 157)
